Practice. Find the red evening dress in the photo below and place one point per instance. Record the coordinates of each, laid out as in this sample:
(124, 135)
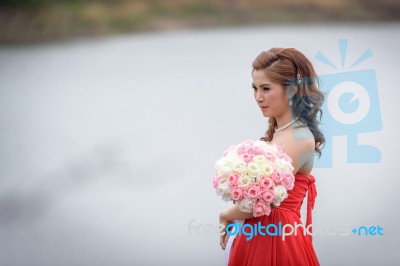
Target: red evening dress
(271, 249)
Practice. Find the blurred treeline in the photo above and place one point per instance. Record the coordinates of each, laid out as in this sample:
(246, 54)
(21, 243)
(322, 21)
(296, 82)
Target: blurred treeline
(42, 20)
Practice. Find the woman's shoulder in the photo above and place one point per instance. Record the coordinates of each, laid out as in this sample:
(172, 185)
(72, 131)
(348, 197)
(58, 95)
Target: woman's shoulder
(297, 140)
(302, 139)
(301, 132)
(302, 147)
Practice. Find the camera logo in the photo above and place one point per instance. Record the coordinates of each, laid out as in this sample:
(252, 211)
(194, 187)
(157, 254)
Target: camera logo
(351, 107)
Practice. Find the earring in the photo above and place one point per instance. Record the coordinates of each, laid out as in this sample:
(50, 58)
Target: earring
(290, 101)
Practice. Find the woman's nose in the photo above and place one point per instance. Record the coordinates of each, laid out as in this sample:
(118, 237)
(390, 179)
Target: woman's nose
(259, 96)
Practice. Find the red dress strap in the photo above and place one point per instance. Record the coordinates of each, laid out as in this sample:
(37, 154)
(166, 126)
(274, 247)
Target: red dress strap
(312, 194)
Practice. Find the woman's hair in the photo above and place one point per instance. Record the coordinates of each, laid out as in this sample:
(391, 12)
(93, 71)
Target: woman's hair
(291, 68)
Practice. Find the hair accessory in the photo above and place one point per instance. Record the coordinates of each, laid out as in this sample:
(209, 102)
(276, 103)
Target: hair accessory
(299, 80)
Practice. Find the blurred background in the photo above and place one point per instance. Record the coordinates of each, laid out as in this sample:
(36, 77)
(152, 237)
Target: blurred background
(38, 20)
(113, 113)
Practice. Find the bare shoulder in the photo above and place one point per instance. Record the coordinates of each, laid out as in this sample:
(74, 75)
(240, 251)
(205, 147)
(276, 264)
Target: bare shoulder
(300, 147)
(299, 138)
(303, 135)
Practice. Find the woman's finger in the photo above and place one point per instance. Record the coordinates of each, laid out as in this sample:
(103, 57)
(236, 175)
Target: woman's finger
(222, 241)
(226, 239)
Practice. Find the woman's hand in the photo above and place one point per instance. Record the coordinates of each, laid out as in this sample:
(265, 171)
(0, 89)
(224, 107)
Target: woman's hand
(224, 237)
(229, 216)
(223, 240)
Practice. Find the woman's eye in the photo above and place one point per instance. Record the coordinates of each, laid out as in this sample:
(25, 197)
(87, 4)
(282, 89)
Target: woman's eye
(265, 89)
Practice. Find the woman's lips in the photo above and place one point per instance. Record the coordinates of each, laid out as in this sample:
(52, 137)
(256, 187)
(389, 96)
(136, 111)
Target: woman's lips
(263, 108)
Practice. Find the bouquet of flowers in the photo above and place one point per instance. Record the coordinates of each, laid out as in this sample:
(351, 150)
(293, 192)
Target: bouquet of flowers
(256, 175)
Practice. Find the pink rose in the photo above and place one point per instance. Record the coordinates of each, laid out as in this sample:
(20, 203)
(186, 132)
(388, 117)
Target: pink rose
(280, 152)
(288, 181)
(234, 185)
(253, 191)
(260, 209)
(216, 181)
(262, 189)
(266, 182)
(255, 151)
(287, 158)
(233, 179)
(237, 193)
(268, 196)
(242, 150)
(247, 157)
(270, 156)
(248, 142)
(277, 177)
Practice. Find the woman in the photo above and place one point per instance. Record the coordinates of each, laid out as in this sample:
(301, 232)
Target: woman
(286, 90)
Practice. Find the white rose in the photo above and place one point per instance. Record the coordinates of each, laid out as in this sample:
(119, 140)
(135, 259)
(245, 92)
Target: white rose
(267, 169)
(239, 167)
(232, 154)
(280, 163)
(224, 172)
(219, 164)
(244, 181)
(224, 191)
(246, 205)
(253, 169)
(289, 167)
(280, 194)
(259, 159)
(271, 148)
(228, 161)
(261, 144)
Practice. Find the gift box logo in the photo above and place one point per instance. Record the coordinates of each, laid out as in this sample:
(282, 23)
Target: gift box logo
(351, 107)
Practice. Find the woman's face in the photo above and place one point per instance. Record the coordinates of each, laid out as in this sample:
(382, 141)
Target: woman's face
(270, 96)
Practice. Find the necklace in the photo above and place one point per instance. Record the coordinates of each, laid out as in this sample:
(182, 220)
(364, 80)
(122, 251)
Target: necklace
(285, 126)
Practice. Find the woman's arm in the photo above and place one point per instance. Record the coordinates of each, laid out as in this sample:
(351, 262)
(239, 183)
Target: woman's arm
(228, 216)
(234, 213)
